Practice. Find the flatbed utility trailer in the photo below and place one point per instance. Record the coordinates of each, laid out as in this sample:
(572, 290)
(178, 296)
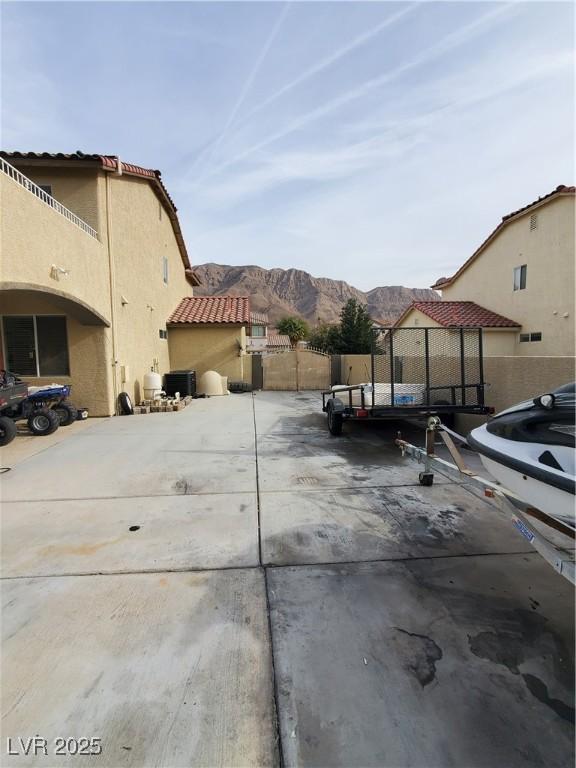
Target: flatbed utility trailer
(414, 372)
(551, 538)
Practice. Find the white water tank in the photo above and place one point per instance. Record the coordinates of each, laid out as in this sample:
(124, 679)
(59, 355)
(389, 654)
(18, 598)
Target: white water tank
(152, 385)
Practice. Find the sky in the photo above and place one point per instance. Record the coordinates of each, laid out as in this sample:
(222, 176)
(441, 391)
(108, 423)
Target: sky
(373, 142)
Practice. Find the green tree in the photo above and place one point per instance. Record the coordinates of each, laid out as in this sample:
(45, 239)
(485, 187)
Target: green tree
(355, 332)
(325, 337)
(294, 327)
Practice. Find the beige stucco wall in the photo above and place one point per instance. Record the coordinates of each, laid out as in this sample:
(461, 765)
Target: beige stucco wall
(89, 352)
(355, 369)
(34, 237)
(141, 235)
(75, 188)
(210, 348)
(512, 379)
(549, 253)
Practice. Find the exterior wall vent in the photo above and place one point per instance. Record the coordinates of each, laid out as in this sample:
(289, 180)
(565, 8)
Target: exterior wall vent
(533, 222)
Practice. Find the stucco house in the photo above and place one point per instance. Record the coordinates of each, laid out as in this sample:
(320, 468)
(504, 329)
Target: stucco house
(525, 270)
(261, 340)
(209, 333)
(518, 286)
(93, 265)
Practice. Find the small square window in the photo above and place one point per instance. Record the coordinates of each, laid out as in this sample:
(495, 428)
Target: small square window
(163, 333)
(524, 337)
(536, 336)
(520, 277)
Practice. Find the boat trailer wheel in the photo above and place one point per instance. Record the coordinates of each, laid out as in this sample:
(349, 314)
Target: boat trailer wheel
(426, 478)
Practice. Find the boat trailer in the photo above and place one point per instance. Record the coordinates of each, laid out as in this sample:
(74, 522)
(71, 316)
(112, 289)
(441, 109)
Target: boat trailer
(558, 553)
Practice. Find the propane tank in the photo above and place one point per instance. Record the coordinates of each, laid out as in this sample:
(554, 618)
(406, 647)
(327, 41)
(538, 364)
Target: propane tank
(152, 385)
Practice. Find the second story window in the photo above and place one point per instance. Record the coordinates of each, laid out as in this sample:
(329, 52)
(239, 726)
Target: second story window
(165, 269)
(258, 330)
(520, 277)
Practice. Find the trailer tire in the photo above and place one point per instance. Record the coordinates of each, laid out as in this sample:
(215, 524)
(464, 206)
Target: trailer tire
(8, 430)
(43, 421)
(335, 422)
(67, 413)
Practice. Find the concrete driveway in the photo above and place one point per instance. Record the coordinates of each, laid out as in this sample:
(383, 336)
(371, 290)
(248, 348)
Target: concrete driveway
(230, 585)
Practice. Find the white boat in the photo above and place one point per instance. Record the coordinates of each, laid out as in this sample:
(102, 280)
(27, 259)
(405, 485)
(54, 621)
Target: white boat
(530, 449)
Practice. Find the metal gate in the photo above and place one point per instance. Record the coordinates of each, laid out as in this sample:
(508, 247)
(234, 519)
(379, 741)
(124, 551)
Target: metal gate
(296, 370)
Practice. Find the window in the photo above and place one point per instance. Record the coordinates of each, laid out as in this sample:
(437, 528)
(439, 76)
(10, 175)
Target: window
(536, 336)
(533, 222)
(163, 333)
(258, 330)
(520, 277)
(165, 269)
(36, 345)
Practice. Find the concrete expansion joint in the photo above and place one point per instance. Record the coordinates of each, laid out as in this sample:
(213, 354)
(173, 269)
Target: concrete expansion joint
(274, 676)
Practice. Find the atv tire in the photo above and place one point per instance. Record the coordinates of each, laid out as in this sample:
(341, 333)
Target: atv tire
(44, 421)
(8, 430)
(67, 413)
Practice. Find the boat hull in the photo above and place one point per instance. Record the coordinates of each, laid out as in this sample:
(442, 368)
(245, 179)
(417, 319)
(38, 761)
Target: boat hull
(552, 501)
(518, 467)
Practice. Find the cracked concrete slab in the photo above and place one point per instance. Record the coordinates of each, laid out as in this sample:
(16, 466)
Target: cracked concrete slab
(104, 463)
(139, 534)
(444, 662)
(167, 669)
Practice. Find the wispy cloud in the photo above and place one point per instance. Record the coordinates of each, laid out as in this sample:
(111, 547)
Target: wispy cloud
(450, 42)
(328, 61)
(208, 151)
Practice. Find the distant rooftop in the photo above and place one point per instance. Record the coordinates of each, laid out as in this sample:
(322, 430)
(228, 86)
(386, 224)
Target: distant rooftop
(212, 310)
(460, 314)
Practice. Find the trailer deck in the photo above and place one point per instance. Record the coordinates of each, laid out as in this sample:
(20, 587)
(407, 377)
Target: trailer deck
(415, 372)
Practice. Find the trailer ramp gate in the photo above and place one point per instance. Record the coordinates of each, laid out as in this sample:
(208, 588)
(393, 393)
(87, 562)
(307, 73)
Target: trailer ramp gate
(427, 367)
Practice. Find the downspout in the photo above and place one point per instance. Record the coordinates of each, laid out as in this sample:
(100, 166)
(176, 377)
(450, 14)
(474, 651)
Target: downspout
(112, 285)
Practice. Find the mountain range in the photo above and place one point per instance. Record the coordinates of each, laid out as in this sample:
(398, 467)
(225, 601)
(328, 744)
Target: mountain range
(281, 292)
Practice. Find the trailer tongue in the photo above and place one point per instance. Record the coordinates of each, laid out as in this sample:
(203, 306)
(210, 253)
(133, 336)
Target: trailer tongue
(415, 372)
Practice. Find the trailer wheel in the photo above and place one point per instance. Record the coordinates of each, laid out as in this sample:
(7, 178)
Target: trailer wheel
(335, 422)
(426, 478)
(43, 422)
(8, 430)
(66, 412)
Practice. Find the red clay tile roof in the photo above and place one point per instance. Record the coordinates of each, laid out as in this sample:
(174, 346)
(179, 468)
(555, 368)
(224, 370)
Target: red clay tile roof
(212, 309)
(278, 340)
(460, 314)
(258, 318)
(113, 163)
(560, 190)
